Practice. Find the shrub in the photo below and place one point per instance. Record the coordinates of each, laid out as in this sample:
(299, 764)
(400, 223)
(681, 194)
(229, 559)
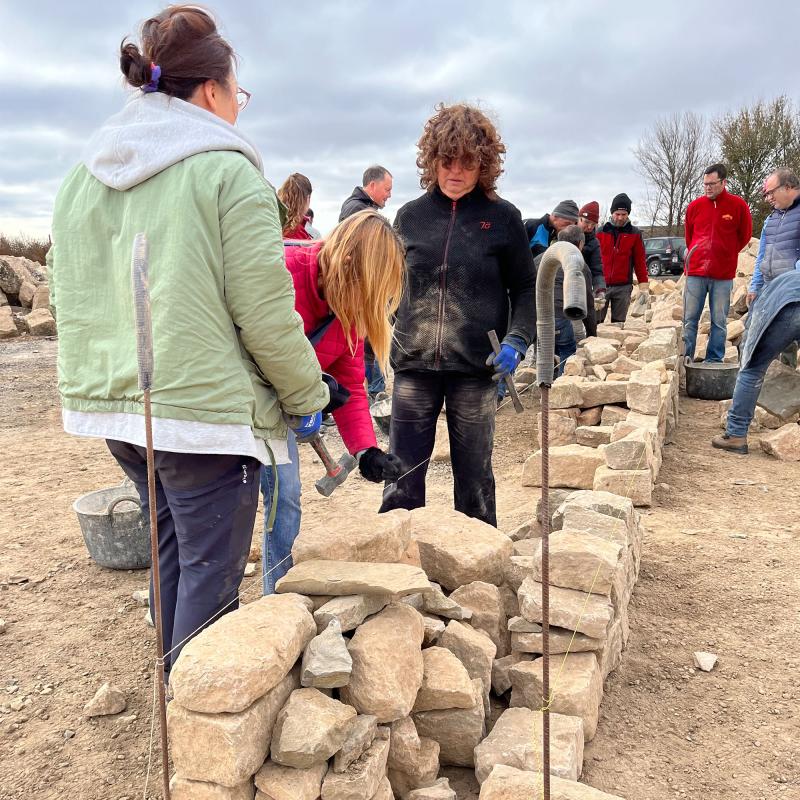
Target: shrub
(25, 246)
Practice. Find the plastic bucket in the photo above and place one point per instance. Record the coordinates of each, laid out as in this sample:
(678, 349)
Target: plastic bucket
(116, 533)
(710, 381)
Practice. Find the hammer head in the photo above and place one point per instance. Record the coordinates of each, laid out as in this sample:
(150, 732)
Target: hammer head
(327, 484)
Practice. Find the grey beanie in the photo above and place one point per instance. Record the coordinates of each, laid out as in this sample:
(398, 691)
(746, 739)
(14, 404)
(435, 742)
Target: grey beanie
(567, 209)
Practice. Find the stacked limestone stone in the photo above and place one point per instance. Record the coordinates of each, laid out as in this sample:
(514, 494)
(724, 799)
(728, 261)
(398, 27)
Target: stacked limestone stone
(23, 286)
(615, 406)
(403, 643)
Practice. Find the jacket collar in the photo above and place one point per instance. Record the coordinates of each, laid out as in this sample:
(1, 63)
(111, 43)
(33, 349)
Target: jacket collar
(362, 195)
(468, 199)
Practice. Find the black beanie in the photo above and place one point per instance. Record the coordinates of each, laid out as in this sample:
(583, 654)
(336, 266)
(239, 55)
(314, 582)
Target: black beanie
(621, 203)
(567, 209)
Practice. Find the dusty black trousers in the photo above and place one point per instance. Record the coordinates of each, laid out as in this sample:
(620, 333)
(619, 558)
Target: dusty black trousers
(206, 509)
(471, 402)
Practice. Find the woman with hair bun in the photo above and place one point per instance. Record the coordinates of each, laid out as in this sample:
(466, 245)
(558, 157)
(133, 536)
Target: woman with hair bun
(470, 270)
(295, 194)
(230, 356)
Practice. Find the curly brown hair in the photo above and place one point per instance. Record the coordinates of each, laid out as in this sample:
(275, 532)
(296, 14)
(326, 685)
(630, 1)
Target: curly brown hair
(463, 132)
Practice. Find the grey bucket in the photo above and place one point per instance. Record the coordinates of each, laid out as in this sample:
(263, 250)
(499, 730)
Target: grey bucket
(710, 381)
(117, 536)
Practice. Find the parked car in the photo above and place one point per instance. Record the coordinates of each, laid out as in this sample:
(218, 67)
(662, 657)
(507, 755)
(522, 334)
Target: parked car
(664, 255)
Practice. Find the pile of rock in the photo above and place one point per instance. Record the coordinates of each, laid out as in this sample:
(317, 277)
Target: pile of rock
(24, 299)
(613, 409)
(401, 644)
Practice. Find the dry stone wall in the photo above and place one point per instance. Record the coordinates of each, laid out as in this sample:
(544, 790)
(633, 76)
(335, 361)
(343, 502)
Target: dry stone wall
(411, 642)
(24, 299)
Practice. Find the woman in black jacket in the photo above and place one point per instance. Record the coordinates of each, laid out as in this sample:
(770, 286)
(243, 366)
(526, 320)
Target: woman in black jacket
(470, 270)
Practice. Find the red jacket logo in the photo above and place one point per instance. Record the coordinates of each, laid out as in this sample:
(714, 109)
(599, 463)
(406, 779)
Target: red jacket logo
(727, 216)
(485, 226)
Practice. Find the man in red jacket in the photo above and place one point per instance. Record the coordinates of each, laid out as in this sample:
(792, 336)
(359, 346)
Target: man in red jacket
(622, 251)
(718, 226)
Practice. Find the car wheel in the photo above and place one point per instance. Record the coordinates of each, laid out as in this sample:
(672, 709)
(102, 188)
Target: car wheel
(654, 268)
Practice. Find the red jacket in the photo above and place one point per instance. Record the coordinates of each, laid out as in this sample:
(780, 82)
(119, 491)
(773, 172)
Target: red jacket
(335, 357)
(720, 228)
(622, 251)
(299, 231)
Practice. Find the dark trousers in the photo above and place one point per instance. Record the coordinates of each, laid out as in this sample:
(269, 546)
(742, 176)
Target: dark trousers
(471, 403)
(206, 509)
(619, 299)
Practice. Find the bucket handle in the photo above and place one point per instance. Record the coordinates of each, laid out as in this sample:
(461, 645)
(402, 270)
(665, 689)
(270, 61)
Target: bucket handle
(117, 500)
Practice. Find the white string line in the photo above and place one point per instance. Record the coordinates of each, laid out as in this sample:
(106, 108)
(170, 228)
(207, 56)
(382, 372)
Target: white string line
(156, 677)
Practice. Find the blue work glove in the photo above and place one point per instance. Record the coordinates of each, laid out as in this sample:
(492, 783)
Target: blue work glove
(505, 362)
(305, 427)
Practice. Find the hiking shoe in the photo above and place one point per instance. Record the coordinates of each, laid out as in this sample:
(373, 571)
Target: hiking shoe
(733, 444)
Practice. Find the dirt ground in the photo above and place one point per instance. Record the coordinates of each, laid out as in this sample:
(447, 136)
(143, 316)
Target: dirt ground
(718, 574)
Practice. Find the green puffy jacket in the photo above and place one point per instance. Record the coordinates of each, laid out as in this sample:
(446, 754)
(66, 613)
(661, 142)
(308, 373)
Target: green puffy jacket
(228, 345)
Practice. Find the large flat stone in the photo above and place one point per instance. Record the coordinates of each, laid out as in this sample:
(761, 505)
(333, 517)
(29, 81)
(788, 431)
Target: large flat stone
(561, 640)
(577, 561)
(354, 536)
(636, 484)
(310, 728)
(456, 549)
(508, 783)
(577, 611)
(644, 392)
(599, 350)
(243, 655)
(612, 505)
(576, 687)
(601, 393)
(783, 443)
(571, 466)
(457, 730)
(387, 663)
(561, 429)
(352, 577)
(445, 682)
(239, 741)
(634, 451)
(516, 741)
(363, 777)
(440, 790)
(182, 789)
(288, 783)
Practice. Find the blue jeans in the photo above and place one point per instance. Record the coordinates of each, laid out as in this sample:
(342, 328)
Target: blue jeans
(719, 301)
(372, 372)
(782, 331)
(566, 345)
(276, 555)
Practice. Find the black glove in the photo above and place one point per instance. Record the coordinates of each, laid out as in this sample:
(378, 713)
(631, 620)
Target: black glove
(377, 466)
(338, 394)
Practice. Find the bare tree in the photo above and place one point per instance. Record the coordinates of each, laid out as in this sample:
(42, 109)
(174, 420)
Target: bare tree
(671, 157)
(754, 141)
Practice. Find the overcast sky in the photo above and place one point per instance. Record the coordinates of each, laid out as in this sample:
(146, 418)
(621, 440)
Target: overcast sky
(340, 85)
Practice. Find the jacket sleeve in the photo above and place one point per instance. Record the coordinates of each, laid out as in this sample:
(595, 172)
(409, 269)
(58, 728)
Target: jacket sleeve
(595, 264)
(520, 281)
(689, 226)
(259, 292)
(353, 419)
(745, 225)
(639, 260)
(757, 281)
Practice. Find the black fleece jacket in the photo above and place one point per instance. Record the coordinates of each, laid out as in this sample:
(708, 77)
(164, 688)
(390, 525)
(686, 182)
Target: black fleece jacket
(470, 270)
(359, 200)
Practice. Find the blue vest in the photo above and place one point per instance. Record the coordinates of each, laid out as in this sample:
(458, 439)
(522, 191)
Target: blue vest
(782, 236)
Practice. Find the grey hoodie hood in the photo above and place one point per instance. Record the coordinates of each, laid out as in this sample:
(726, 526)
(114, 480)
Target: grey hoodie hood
(153, 132)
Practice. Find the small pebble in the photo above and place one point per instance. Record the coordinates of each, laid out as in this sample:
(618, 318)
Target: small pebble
(68, 734)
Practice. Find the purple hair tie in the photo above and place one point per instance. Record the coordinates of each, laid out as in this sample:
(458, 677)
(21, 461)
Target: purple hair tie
(155, 75)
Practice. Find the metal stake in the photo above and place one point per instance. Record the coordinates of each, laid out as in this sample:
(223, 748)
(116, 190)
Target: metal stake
(545, 590)
(144, 354)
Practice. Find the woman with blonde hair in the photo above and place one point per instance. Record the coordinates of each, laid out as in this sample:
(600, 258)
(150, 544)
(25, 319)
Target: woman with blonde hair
(347, 288)
(470, 271)
(295, 194)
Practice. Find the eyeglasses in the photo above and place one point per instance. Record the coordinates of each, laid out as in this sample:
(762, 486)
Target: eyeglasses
(711, 183)
(771, 192)
(242, 98)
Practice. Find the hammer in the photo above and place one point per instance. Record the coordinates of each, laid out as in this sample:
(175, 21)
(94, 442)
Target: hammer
(335, 472)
